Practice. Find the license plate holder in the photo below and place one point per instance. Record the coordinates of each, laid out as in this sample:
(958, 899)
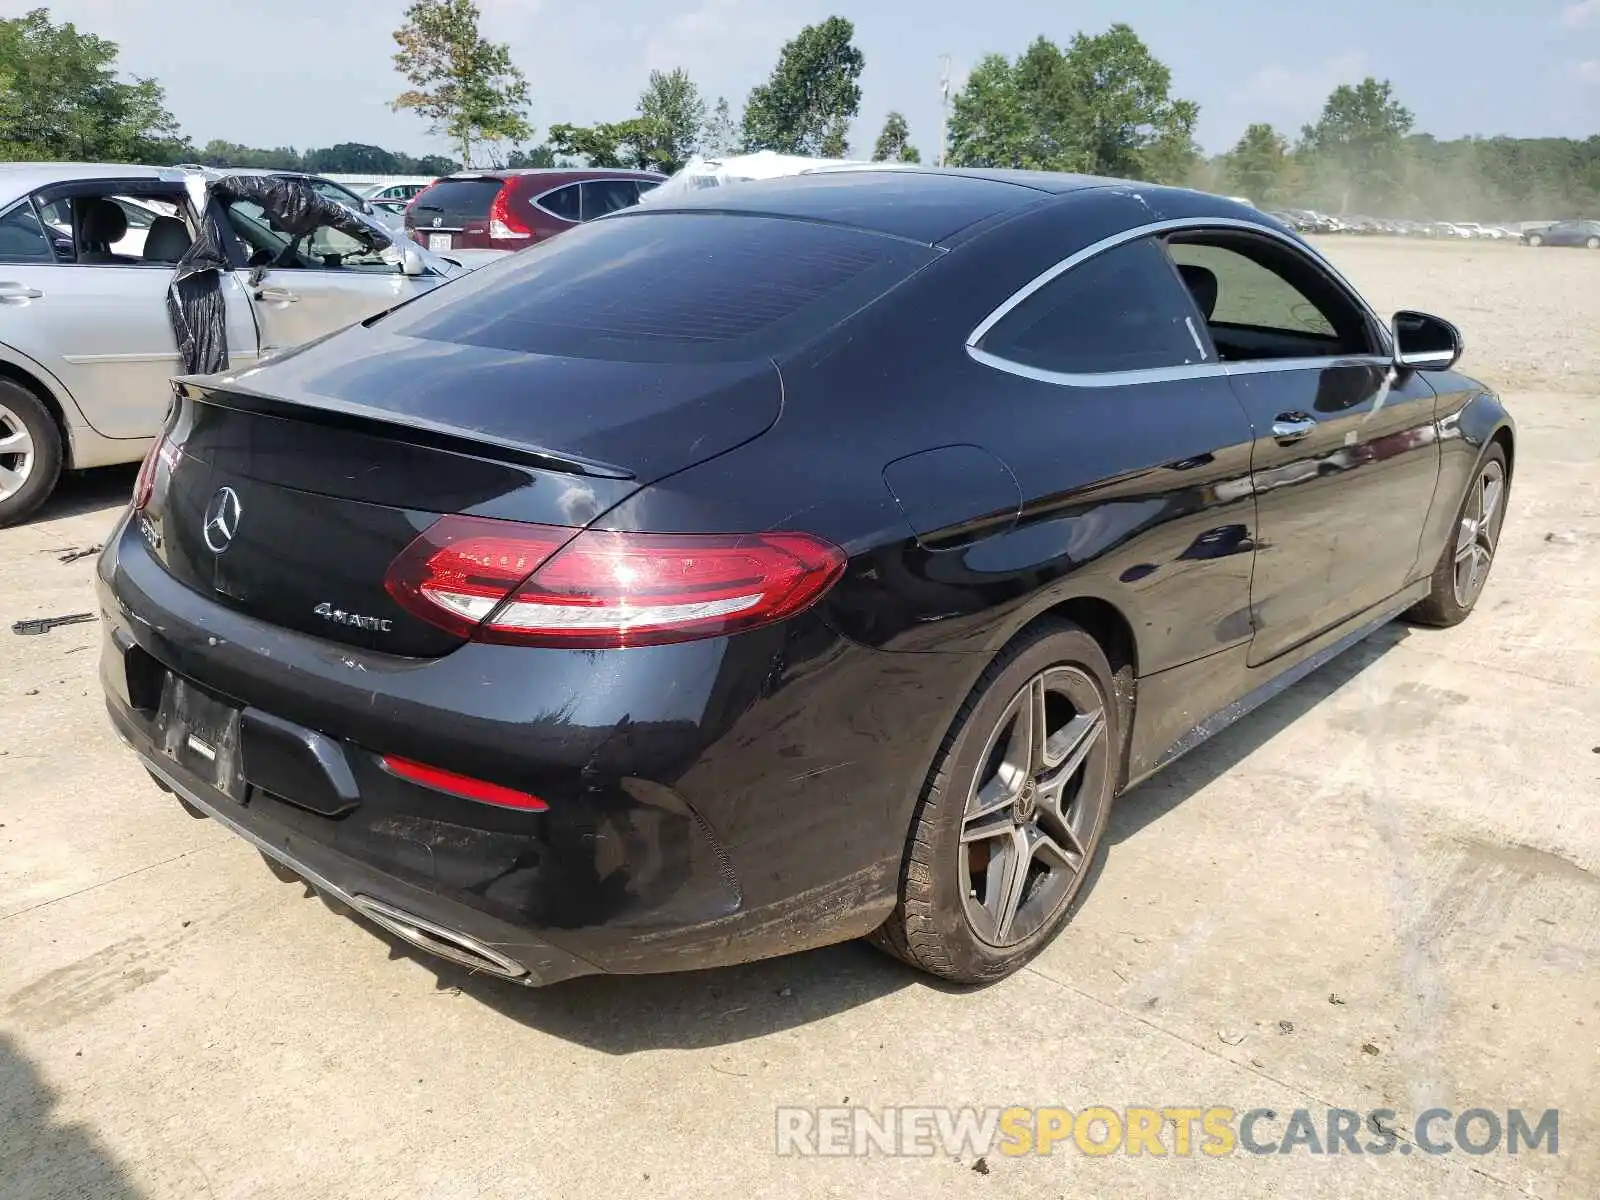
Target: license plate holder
(441, 241)
(200, 732)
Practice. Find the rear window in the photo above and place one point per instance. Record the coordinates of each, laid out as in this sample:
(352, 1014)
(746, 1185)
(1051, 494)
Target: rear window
(468, 197)
(667, 287)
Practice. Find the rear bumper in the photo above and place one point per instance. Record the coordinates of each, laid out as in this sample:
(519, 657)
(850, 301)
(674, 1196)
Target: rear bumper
(709, 803)
(455, 931)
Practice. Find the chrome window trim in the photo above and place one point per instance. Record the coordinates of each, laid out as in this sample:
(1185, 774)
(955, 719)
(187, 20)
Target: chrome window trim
(537, 201)
(1200, 370)
(1185, 370)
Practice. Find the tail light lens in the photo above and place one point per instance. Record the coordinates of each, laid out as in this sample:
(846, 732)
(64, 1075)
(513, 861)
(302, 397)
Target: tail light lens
(163, 452)
(543, 585)
(503, 223)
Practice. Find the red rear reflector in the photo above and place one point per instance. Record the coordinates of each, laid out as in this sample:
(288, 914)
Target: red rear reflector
(497, 581)
(464, 786)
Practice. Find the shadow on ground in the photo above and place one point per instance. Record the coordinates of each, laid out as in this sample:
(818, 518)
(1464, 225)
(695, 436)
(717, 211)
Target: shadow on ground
(85, 491)
(701, 1009)
(40, 1156)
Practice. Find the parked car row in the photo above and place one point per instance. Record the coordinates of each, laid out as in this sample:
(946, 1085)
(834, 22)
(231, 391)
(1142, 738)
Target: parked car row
(1309, 221)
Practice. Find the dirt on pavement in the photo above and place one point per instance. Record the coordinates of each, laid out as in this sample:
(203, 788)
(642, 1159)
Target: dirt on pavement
(1381, 890)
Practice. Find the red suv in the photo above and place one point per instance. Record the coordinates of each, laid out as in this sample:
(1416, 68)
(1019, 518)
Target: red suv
(507, 210)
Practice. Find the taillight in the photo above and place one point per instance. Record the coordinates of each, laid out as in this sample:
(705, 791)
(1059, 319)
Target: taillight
(502, 222)
(464, 786)
(544, 585)
(163, 452)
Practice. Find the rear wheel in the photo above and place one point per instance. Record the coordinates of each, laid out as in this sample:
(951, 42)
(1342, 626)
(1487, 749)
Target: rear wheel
(1463, 568)
(30, 452)
(1593, 243)
(1012, 815)
(1535, 240)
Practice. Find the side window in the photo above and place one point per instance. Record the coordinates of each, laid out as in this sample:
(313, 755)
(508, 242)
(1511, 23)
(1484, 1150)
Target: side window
(1122, 310)
(22, 238)
(326, 248)
(1261, 300)
(117, 230)
(602, 196)
(563, 202)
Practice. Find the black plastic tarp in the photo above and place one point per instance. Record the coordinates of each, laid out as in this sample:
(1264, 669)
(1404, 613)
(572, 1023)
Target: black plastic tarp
(195, 303)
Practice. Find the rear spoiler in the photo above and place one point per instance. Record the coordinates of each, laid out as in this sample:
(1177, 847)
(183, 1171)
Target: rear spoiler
(360, 418)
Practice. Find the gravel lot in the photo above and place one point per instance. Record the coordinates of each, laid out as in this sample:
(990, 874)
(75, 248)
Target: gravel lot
(1380, 891)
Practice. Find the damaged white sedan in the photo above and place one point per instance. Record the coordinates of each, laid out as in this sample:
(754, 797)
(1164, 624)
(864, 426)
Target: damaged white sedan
(224, 270)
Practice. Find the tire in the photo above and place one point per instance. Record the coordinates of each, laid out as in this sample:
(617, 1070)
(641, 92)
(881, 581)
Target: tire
(980, 814)
(1535, 240)
(1468, 553)
(30, 453)
(1593, 243)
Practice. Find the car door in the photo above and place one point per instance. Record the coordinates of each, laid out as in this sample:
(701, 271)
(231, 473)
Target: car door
(326, 283)
(102, 328)
(1345, 457)
(1129, 449)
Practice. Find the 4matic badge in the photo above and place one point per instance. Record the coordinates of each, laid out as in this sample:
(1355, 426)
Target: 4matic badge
(355, 620)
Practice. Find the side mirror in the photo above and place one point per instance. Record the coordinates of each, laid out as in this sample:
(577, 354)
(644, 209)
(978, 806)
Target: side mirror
(411, 262)
(1425, 343)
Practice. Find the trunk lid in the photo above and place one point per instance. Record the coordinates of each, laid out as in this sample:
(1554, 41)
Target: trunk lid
(291, 504)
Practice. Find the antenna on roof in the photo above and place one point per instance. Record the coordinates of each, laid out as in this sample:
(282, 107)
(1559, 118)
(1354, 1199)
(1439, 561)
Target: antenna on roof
(944, 104)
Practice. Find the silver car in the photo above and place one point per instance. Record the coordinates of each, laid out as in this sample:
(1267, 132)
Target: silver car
(86, 342)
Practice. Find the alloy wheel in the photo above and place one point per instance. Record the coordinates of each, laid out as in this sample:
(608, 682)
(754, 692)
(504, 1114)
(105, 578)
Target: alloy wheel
(16, 453)
(1030, 815)
(1479, 533)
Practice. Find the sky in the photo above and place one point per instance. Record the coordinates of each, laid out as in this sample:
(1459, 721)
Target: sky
(316, 72)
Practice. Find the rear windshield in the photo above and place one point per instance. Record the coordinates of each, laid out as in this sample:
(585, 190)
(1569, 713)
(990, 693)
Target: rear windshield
(469, 197)
(667, 287)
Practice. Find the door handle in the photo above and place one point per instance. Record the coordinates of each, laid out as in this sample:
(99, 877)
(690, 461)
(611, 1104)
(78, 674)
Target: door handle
(19, 291)
(1291, 427)
(277, 295)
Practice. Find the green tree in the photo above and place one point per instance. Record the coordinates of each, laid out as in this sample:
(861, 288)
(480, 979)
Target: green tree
(672, 106)
(1102, 106)
(61, 98)
(720, 136)
(466, 87)
(1357, 147)
(990, 126)
(539, 156)
(894, 143)
(1259, 165)
(630, 143)
(813, 95)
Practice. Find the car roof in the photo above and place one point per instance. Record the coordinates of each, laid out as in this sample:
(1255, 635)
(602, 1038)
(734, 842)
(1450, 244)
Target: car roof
(554, 174)
(21, 178)
(922, 204)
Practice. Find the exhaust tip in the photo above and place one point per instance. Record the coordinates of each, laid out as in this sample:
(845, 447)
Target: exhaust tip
(436, 939)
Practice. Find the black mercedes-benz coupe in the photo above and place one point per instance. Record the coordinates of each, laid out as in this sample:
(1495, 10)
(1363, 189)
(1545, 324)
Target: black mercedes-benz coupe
(800, 561)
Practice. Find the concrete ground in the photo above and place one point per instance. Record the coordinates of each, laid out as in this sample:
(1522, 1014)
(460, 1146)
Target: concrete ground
(1380, 891)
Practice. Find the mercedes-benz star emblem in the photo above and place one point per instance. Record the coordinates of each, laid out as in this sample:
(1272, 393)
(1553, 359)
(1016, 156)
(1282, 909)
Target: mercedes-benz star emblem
(222, 519)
